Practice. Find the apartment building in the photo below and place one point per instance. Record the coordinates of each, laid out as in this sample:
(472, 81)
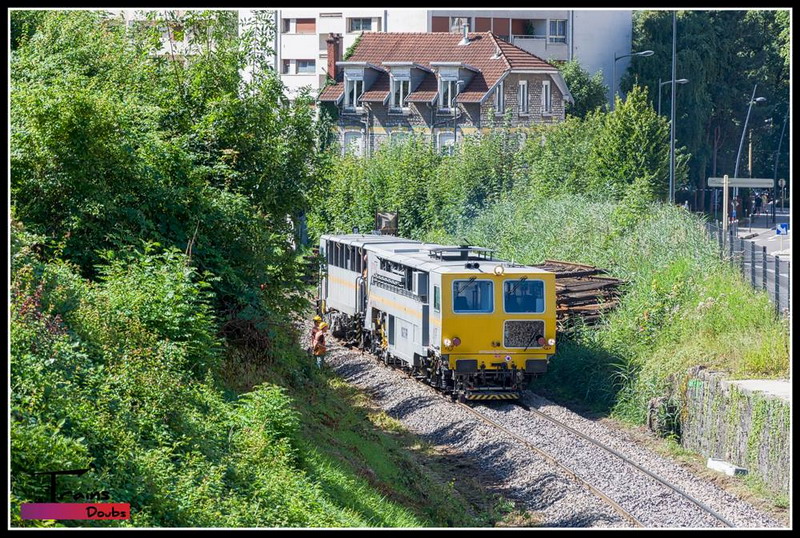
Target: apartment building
(439, 85)
(593, 36)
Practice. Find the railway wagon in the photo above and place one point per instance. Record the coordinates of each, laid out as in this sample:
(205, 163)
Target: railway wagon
(476, 327)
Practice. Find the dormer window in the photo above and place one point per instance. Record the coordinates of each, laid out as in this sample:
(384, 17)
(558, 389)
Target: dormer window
(448, 89)
(354, 88)
(401, 87)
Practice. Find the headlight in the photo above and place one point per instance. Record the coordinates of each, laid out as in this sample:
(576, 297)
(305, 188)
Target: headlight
(551, 342)
(448, 343)
(456, 341)
(498, 270)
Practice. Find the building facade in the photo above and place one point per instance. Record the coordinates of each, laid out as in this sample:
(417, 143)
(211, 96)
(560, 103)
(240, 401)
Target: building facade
(441, 85)
(593, 37)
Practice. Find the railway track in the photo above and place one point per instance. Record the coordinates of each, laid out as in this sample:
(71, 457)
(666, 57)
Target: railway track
(575, 475)
(621, 510)
(552, 460)
(632, 493)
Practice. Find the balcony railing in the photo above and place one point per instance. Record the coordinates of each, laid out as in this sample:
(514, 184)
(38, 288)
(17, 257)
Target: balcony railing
(539, 37)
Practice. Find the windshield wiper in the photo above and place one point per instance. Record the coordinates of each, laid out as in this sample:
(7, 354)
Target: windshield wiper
(517, 285)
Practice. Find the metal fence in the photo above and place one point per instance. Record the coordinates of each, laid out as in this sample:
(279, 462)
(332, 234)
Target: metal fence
(764, 271)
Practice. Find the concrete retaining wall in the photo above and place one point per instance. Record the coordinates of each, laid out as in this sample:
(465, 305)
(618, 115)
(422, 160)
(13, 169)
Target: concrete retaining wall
(746, 423)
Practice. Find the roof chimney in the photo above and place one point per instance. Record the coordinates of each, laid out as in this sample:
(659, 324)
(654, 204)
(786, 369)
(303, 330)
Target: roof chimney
(334, 43)
(465, 39)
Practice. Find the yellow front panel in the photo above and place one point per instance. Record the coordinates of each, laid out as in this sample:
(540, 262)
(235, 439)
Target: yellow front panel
(481, 334)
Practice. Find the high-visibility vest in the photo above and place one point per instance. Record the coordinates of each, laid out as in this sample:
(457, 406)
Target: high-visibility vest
(319, 343)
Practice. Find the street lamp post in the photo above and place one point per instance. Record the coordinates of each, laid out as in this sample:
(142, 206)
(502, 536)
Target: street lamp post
(775, 171)
(662, 84)
(671, 136)
(614, 70)
(753, 99)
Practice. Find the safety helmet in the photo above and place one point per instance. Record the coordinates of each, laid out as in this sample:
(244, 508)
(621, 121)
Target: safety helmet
(317, 318)
(323, 325)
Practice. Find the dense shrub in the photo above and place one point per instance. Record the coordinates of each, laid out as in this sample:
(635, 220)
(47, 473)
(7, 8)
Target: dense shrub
(121, 376)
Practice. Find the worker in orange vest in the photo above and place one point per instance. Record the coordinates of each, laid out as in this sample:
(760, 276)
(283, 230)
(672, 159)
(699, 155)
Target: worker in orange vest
(319, 348)
(314, 330)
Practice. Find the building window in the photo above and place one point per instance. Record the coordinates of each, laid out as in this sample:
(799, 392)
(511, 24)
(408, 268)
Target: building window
(286, 27)
(558, 31)
(523, 96)
(448, 89)
(353, 143)
(306, 67)
(286, 67)
(306, 26)
(360, 25)
(353, 90)
(456, 24)
(446, 143)
(499, 99)
(400, 90)
(547, 98)
(473, 296)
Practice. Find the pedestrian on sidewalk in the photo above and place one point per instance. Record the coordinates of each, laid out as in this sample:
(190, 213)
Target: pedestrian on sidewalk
(319, 348)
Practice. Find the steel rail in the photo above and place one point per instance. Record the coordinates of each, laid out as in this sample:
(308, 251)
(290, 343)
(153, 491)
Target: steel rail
(551, 459)
(658, 479)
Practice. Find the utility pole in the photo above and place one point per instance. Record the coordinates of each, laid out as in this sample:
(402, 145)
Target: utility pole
(672, 116)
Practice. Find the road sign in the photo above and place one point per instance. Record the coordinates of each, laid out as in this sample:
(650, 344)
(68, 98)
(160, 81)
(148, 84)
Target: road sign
(782, 229)
(742, 182)
(782, 182)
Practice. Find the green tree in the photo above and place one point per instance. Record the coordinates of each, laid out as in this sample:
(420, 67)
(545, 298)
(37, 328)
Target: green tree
(723, 54)
(631, 148)
(113, 143)
(588, 91)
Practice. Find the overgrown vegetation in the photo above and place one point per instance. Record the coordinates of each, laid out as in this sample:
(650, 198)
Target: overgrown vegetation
(126, 375)
(154, 275)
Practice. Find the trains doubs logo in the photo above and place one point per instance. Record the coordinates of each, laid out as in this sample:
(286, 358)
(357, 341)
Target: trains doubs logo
(74, 510)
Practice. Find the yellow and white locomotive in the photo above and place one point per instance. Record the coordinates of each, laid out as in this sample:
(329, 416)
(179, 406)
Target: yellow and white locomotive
(471, 325)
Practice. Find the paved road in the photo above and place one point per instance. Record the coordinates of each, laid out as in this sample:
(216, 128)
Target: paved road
(766, 236)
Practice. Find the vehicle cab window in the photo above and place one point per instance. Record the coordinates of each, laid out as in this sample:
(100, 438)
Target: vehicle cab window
(473, 296)
(523, 296)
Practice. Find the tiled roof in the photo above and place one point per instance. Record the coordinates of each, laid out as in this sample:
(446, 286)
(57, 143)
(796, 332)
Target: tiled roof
(379, 90)
(424, 48)
(334, 91)
(426, 91)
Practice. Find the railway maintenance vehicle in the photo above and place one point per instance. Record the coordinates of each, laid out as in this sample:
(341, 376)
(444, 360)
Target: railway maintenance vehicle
(475, 327)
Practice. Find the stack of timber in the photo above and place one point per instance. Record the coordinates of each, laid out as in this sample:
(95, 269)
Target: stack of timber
(581, 292)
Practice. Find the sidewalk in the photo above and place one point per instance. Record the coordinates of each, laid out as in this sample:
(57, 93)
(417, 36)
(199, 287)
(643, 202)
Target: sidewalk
(762, 232)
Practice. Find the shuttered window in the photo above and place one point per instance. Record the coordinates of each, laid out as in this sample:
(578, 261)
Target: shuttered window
(306, 26)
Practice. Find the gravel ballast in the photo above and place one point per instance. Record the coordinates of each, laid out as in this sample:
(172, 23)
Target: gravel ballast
(534, 484)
